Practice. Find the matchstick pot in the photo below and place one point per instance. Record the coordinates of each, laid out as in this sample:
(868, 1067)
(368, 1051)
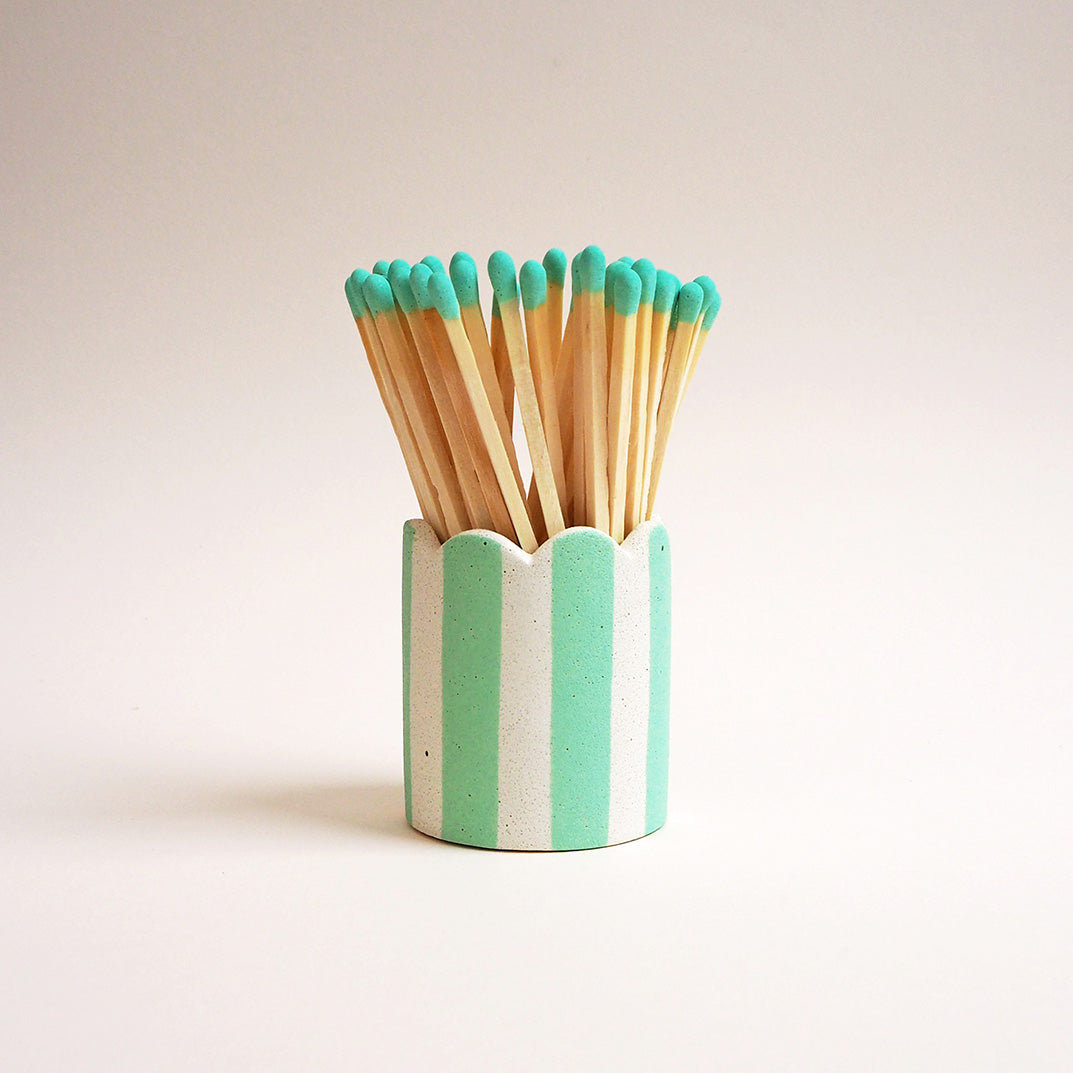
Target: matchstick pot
(536, 688)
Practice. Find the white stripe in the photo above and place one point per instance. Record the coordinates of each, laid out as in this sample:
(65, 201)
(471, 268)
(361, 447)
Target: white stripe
(426, 685)
(525, 702)
(629, 695)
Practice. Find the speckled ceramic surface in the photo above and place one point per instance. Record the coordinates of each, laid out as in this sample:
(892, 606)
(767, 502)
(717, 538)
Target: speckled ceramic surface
(536, 688)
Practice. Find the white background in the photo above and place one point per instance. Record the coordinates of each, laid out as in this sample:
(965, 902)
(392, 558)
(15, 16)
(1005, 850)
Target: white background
(870, 493)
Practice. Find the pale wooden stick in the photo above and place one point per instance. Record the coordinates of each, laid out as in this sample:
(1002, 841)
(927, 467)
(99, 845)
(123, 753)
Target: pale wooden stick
(593, 355)
(443, 295)
(709, 311)
(456, 388)
(389, 395)
(505, 284)
(627, 294)
(646, 272)
(478, 514)
(663, 303)
(417, 400)
(690, 299)
(566, 390)
(501, 360)
(464, 278)
(539, 334)
(555, 267)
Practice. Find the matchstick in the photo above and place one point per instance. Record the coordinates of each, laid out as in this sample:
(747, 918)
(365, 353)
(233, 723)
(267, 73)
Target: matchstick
(539, 332)
(663, 304)
(645, 270)
(416, 398)
(464, 278)
(627, 296)
(709, 311)
(443, 294)
(555, 267)
(501, 360)
(591, 357)
(420, 275)
(479, 516)
(385, 385)
(690, 300)
(505, 286)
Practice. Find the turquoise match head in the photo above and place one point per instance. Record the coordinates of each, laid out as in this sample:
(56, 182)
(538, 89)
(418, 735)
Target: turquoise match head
(555, 266)
(377, 294)
(353, 292)
(646, 272)
(712, 301)
(381, 268)
(592, 266)
(443, 295)
(627, 292)
(690, 300)
(533, 279)
(611, 275)
(464, 278)
(434, 263)
(504, 281)
(419, 277)
(666, 291)
(399, 277)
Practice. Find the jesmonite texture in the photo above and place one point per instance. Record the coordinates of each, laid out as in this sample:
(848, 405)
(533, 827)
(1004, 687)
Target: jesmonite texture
(536, 688)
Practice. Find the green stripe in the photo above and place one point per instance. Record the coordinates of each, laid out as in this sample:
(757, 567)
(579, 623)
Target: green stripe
(659, 676)
(407, 604)
(472, 617)
(582, 608)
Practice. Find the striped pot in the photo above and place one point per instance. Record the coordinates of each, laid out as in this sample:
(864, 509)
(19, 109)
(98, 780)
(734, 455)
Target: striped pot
(536, 688)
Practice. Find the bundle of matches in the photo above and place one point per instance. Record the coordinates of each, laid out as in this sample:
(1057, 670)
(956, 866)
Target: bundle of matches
(597, 397)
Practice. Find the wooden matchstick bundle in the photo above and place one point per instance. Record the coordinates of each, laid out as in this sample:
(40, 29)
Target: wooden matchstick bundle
(596, 397)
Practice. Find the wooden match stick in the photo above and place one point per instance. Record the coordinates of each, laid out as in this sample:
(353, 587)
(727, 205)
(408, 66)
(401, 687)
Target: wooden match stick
(663, 304)
(539, 332)
(417, 400)
(591, 357)
(385, 385)
(478, 514)
(464, 278)
(709, 311)
(420, 275)
(555, 268)
(627, 296)
(501, 360)
(645, 270)
(443, 294)
(690, 300)
(505, 286)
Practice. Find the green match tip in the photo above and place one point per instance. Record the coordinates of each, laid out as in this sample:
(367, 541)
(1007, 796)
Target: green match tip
(712, 311)
(646, 272)
(443, 295)
(464, 277)
(399, 277)
(555, 266)
(533, 279)
(434, 263)
(666, 291)
(419, 277)
(690, 300)
(381, 268)
(377, 293)
(353, 292)
(627, 292)
(611, 275)
(711, 299)
(592, 265)
(504, 281)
